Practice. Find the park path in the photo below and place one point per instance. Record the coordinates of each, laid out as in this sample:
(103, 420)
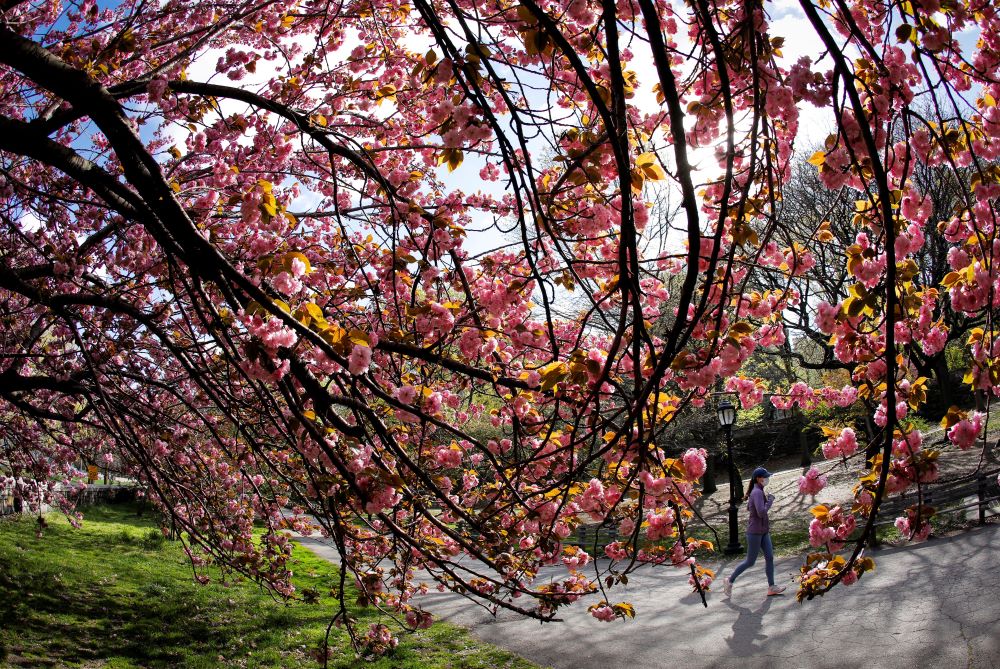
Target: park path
(935, 603)
(791, 508)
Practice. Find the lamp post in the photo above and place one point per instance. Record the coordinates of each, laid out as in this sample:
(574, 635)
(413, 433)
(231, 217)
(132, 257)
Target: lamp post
(727, 416)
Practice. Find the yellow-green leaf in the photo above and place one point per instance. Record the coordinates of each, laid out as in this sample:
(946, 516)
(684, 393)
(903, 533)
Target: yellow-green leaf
(649, 164)
(817, 158)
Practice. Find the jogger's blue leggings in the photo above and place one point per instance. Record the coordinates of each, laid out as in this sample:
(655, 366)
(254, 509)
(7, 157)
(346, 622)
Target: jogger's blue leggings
(755, 542)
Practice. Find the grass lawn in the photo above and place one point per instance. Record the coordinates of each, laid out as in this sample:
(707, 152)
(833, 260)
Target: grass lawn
(115, 594)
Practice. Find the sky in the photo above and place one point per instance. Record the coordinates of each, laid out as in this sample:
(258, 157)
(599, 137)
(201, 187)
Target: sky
(786, 20)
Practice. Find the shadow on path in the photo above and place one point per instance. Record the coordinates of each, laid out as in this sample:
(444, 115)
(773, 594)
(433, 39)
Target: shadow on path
(936, 603)
(748, 628)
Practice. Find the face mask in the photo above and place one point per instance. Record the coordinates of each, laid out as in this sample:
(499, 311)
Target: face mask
(764, 481)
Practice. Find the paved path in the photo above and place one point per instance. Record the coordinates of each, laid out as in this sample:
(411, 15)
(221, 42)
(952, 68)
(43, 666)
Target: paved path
(791, 508)
(931, 604)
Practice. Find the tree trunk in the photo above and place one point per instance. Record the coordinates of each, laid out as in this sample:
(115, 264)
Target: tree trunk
(806, 460)
(943, 375)
(708, 485)
(874, 447)
(737, 478)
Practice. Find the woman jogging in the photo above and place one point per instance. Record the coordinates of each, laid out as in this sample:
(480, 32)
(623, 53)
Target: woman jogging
(758, 536)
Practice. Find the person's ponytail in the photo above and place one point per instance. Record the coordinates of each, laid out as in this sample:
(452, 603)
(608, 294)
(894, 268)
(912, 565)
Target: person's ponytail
(750, 487)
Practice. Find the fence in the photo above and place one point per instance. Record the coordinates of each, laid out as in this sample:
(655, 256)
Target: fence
(95, 494)
(106, 494)
(8, 506)
(981, 492)
(593, 537)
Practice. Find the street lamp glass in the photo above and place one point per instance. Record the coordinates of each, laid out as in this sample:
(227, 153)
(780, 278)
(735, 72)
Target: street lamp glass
(727, 413)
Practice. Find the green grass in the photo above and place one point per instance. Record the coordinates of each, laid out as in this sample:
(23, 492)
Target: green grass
(790, 540)
(116, 594)
(942, 524)
(787, 540)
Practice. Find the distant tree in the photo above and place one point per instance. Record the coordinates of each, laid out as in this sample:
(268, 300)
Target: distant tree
(825, 219)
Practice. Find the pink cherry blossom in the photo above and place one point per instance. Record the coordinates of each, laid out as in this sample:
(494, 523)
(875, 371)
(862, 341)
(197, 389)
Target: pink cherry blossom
(289, 258)
(843, 445)
(360, 359)
(694, 462)
(812, 482)
(603, 613)
(964, 433)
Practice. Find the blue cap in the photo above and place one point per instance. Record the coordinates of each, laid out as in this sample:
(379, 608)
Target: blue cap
(760, 471)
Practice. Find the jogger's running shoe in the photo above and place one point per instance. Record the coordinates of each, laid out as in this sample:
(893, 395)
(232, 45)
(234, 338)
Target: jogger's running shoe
(775, 590)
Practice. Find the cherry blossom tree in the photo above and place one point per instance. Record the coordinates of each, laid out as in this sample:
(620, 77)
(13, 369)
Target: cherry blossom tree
(808, 205)
(260, 255)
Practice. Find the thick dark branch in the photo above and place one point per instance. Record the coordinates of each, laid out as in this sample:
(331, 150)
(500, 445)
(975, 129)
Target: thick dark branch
(7, 5)
(13, 382)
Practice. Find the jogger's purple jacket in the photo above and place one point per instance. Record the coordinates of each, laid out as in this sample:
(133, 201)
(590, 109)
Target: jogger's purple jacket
(758, 506)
